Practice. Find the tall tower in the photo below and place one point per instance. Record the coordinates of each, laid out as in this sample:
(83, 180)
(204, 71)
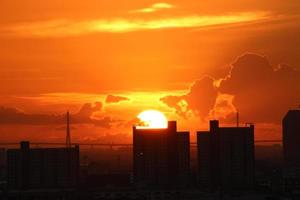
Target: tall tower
(68, 136)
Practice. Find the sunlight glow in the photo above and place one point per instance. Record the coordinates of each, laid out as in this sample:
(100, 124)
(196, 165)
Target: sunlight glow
(61, 28)
(152, 119)
(155, 7)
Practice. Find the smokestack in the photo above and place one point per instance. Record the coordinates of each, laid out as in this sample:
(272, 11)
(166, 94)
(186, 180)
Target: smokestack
(68, 136)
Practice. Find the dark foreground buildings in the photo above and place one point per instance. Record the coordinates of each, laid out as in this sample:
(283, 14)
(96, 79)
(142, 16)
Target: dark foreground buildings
(226, 157)
(291, 144)
(42, 168)
(161, 157)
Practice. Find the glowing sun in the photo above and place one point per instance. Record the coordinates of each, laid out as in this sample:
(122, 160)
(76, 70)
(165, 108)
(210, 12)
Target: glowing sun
(152, 119)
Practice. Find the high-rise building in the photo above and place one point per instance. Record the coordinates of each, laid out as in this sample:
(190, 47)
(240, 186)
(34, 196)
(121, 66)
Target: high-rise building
(226, 157)
(161, 157)
(291, 143)
(2, 164)
(40, 168)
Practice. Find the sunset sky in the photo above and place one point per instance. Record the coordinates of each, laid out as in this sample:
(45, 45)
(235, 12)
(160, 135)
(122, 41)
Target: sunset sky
(108, 60)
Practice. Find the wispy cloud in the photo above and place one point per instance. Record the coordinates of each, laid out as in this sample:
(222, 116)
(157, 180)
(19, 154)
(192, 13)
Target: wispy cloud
(153, 8)
(62, 28)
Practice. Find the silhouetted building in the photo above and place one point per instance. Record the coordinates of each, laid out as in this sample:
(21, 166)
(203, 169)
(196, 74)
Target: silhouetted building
(161, 157)
(40, 168)
(291, 143)
(2, 157)
(2, 165)
(226, 157)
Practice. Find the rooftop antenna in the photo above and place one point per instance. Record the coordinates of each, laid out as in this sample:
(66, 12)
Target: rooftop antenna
(237, 118)
(68, 136)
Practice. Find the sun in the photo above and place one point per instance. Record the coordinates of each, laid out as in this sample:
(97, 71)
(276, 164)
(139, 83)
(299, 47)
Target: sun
(152, 119)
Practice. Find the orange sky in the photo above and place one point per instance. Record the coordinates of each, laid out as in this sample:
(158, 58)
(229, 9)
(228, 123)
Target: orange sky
(193, 60)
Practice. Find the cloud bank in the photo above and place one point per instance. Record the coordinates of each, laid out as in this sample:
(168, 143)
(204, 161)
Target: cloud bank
(261, 92)
(83, 116)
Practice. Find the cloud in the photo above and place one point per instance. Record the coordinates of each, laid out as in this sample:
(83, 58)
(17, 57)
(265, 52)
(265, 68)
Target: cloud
(86, 111)
(200, 99)
(83, 116)
(115, 99)
(260, 92)
(174, 102)
(15, 116)
(64, 28)
(223, 109)
(153, 8)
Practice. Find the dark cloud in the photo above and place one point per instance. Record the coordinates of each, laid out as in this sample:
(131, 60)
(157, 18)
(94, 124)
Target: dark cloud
(115, 99)
(174, 102)
(83, 116)
(261, 92)
(200, 99)
(105, 122)
(86, 111)
(15, 116)
(202, 96)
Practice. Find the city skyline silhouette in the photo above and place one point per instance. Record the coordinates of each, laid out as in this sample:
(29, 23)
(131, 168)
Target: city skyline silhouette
(149, 100)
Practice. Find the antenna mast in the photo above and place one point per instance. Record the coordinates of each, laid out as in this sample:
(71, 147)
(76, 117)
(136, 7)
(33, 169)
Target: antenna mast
(68, 136)
(237, 119)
